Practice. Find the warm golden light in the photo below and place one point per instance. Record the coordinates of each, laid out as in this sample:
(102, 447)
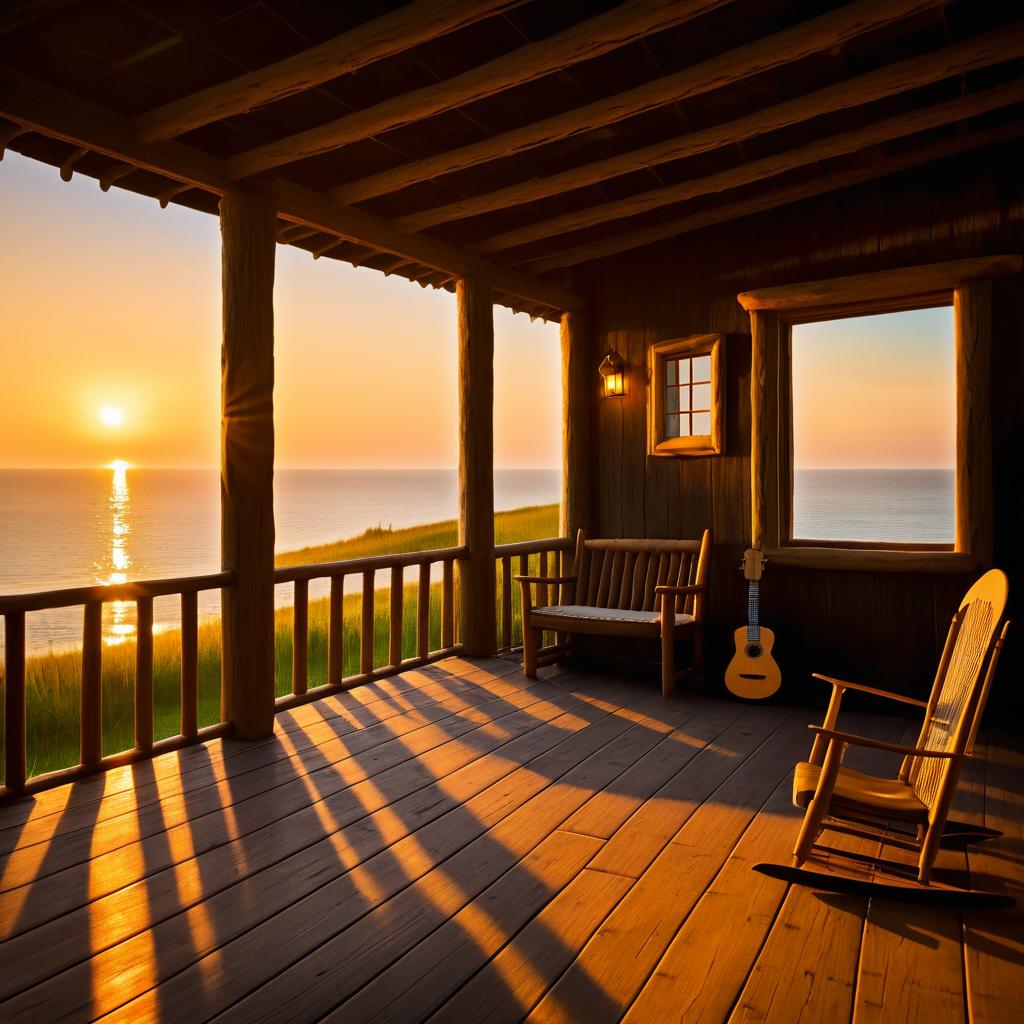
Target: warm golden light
(112, 416)
(613, 375)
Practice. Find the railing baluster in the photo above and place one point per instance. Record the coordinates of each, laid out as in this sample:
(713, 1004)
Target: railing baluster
(448, 606)
(423, 612)
(366, 641)
(542, 590)
(335, 633)
(189, 665)
(524, 570)
(397, 614)
(15, 759)
(92, 696)
(300, 636)
(144, 673)
(506, 604)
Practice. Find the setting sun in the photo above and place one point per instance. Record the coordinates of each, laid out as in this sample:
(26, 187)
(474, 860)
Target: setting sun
(111, 415)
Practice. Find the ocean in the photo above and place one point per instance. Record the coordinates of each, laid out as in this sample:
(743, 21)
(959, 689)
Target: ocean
(69, 528)
(904, 505)
(72, 528)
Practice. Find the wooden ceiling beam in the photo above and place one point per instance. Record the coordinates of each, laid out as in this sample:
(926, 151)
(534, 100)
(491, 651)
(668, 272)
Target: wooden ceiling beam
(873, 134)
(304, 206)
(624, 24)
(382, 37)
(806, 39)
(773, 198)
(983, 51)
(58, 114)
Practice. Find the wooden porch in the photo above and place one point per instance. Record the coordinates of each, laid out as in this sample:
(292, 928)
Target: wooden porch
(459, 843)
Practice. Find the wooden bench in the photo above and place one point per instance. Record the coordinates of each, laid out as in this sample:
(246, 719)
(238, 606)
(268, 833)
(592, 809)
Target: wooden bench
(621, 588)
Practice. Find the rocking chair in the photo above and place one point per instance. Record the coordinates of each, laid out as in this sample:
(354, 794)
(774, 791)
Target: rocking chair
(852, 802)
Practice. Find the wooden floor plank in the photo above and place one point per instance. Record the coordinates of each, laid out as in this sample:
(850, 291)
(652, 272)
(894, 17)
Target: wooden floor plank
(513, 982)
(125, 790)
(347, 960)
(422, 979)
(807, 968)
(603, 981)
(633, 848)
(313, 902)
(318, 750)
(463, 844)
(346, 818)
(994, 941)
(220, 825)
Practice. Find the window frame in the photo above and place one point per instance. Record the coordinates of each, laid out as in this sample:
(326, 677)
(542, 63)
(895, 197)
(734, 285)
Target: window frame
(966, 285)
(658, 444)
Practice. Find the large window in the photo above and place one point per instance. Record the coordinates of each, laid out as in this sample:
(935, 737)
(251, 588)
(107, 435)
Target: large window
(874, 428)
(852, 461)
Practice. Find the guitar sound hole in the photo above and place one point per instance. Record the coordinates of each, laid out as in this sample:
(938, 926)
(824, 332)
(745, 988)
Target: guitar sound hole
(754, 651)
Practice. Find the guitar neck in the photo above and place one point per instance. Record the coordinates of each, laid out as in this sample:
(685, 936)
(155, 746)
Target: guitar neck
(753, 611)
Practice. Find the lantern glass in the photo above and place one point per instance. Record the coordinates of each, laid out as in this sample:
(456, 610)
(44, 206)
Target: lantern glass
(613, 375)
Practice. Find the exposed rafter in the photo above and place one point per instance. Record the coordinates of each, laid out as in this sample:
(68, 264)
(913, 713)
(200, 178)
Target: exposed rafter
(803, 40)
(385, 36)
(983, 51)
(773, 198)
(623, 24)
(53, 112)
(757, 170)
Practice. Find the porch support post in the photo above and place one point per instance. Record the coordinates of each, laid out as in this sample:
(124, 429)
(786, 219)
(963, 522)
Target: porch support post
(477, 590)
(579, 385)
(248, 223)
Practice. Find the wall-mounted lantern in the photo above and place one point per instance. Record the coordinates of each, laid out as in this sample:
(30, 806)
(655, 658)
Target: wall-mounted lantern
(613, 374)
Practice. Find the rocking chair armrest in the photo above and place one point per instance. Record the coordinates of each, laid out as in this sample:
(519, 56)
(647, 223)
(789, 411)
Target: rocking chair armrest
(895, 748)
(842, 684)
(692, 588)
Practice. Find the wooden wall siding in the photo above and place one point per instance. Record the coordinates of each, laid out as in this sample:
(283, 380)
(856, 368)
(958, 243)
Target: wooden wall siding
(885, 629)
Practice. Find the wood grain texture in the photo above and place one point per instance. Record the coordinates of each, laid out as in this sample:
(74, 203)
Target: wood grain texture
(624, 24)
(466, 846)
(987, 49)
(579, 383)
(478, 632)
(813, 36)
(390, 34)
(248, 239)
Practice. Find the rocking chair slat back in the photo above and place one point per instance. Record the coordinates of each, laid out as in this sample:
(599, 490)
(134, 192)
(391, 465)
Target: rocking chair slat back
(957, 699)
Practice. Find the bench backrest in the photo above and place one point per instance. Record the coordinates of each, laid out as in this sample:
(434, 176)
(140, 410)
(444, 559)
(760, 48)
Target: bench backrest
(624, 573)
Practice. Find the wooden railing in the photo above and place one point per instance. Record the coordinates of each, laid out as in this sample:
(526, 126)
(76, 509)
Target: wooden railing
(14, 608)
(549, 557)
(366, 570)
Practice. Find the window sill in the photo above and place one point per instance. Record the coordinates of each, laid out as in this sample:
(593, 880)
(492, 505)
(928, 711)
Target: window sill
(873, 559)
(698, 444)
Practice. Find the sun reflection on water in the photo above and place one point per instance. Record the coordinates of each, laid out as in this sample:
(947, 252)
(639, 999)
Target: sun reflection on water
(119, 624)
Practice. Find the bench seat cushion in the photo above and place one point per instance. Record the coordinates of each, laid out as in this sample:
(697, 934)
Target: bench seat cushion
(571, 613)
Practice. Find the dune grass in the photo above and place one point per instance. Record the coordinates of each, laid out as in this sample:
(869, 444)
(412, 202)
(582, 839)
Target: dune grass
(53, 680)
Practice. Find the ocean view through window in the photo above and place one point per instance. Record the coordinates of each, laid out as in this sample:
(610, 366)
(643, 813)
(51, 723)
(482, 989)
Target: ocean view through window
(874, 428)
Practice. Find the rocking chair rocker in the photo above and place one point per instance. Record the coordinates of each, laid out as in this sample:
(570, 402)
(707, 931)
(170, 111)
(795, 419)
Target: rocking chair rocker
(851, 802)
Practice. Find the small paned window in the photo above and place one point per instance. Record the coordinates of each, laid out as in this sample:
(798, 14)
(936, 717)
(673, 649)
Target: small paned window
(684, 413)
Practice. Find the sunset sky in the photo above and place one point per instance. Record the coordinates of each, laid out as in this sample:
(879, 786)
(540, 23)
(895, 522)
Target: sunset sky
(875, 392)
(112, 302)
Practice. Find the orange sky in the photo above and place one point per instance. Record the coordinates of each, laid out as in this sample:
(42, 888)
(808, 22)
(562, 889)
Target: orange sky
(110, 300)
(876, 392)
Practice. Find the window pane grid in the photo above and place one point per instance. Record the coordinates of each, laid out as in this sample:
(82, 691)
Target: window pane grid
(688, 396)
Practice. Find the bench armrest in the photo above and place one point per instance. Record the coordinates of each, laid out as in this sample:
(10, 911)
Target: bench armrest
(842, 684)
(693, 588)
(544, 579)
(895, 748)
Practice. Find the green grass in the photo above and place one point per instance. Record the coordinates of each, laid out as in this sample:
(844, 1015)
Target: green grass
(53, 681)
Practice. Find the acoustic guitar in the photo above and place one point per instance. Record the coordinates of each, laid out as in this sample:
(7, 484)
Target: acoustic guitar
(752, 673)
